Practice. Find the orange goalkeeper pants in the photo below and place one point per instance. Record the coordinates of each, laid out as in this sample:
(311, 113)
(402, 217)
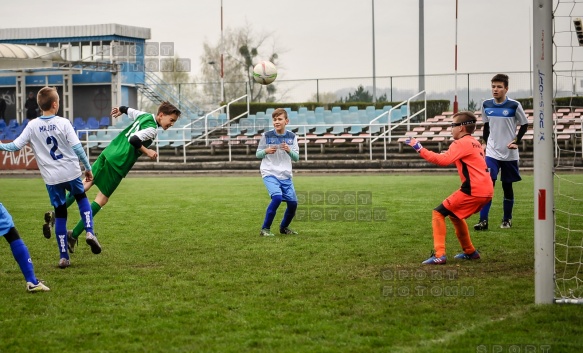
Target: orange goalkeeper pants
(439, 231)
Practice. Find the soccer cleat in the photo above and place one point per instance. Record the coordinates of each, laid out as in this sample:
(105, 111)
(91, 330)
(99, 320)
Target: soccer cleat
(49, 223)
(93, 243)
(481, 225)
(287, 231)
(71, 242)
(64, 263)
(33, 288)
(506, 223)
(473, 256)
(266, 233)
(433, 260)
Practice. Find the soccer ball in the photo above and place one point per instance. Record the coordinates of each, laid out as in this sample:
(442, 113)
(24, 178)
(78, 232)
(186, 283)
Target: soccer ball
(264, 72)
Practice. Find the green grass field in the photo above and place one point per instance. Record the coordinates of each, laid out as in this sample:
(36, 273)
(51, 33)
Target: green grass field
(184, 270)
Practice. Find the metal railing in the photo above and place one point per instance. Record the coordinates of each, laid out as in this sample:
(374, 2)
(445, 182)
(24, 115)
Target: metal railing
(387, 133)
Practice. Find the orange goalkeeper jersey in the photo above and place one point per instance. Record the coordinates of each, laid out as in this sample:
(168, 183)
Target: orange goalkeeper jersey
(468, 156)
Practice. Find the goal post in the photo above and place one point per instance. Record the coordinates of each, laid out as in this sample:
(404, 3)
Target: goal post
(544, 259)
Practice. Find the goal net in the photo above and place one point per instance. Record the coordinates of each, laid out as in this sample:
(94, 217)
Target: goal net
(567, 174)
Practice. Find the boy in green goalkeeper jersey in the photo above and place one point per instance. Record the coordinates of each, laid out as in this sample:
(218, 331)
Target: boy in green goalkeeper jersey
(118, 158)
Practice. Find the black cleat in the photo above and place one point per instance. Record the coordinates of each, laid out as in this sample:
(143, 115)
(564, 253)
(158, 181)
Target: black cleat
(481, 225)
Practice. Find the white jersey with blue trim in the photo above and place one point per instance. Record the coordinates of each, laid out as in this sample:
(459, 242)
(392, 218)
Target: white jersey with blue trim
(278, 164)
(51, 139)
(503, 119)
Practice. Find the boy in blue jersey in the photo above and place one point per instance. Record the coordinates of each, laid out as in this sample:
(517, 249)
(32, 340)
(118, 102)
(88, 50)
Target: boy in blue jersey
(20, 252)
(277, 149)
(501, 115)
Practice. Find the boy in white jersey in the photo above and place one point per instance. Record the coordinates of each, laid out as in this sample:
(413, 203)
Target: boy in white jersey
(277, 149)
(501, 115)
(57, 150)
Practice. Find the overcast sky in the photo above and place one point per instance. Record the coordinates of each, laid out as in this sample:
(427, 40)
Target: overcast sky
(319, 38)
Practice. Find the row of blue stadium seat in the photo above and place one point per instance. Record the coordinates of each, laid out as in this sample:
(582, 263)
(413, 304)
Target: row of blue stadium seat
(321, 121)
(91, 123)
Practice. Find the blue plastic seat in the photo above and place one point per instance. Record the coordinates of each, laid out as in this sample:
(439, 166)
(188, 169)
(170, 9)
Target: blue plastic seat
(9, 135)
(262, 124)
(79, 124)
(337, 127)
(104, 122)
(234, 130)
(92, 123)
(93, 141)
(163, 138)
(178, 137)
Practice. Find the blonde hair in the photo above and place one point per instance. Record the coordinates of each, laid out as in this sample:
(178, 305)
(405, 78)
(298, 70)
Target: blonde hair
(46, 97)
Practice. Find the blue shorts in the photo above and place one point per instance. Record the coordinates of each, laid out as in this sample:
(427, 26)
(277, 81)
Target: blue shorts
(58, 192)
(285, 188)
(508, 169)
(5, 220)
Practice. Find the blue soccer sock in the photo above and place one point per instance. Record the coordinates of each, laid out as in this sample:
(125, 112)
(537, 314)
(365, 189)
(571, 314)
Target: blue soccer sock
(289, 214)
(22, 257)
(271, 211)
(95, 208)
(61, 235)
(86, 214)
(485, 211)
(508, 205)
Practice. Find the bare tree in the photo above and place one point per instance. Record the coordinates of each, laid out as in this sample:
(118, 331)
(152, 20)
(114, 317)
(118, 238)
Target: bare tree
(241, 49)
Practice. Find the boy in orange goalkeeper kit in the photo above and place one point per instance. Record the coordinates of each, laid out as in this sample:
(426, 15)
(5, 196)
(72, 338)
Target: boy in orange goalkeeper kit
(475, 192)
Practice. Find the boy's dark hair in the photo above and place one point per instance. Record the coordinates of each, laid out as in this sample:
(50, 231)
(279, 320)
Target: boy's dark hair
(500, 78)
(168, 108)
(279, 111)
(46, 97)
(467, 119)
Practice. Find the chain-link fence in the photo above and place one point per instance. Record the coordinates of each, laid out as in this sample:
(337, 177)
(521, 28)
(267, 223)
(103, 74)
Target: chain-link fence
(471, 89)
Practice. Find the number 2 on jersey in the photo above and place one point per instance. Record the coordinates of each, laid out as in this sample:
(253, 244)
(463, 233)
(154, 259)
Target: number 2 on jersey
(52, 140)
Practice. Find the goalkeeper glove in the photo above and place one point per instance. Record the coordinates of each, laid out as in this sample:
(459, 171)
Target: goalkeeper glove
(414, 143)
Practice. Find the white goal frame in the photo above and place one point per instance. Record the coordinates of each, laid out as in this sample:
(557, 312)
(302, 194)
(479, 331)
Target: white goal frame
(554, 46)
(544, 228)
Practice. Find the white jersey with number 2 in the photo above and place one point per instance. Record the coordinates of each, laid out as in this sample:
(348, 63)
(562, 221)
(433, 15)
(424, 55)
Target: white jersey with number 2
(52, 139)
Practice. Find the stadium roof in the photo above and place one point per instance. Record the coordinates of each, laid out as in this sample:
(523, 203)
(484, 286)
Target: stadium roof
(20, 51)
(64, 34)
(19, 56)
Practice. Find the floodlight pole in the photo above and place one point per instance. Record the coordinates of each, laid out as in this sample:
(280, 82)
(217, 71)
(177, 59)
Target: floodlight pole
(374, 74)
(455, 103)
(421, 46)
(222, 60)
